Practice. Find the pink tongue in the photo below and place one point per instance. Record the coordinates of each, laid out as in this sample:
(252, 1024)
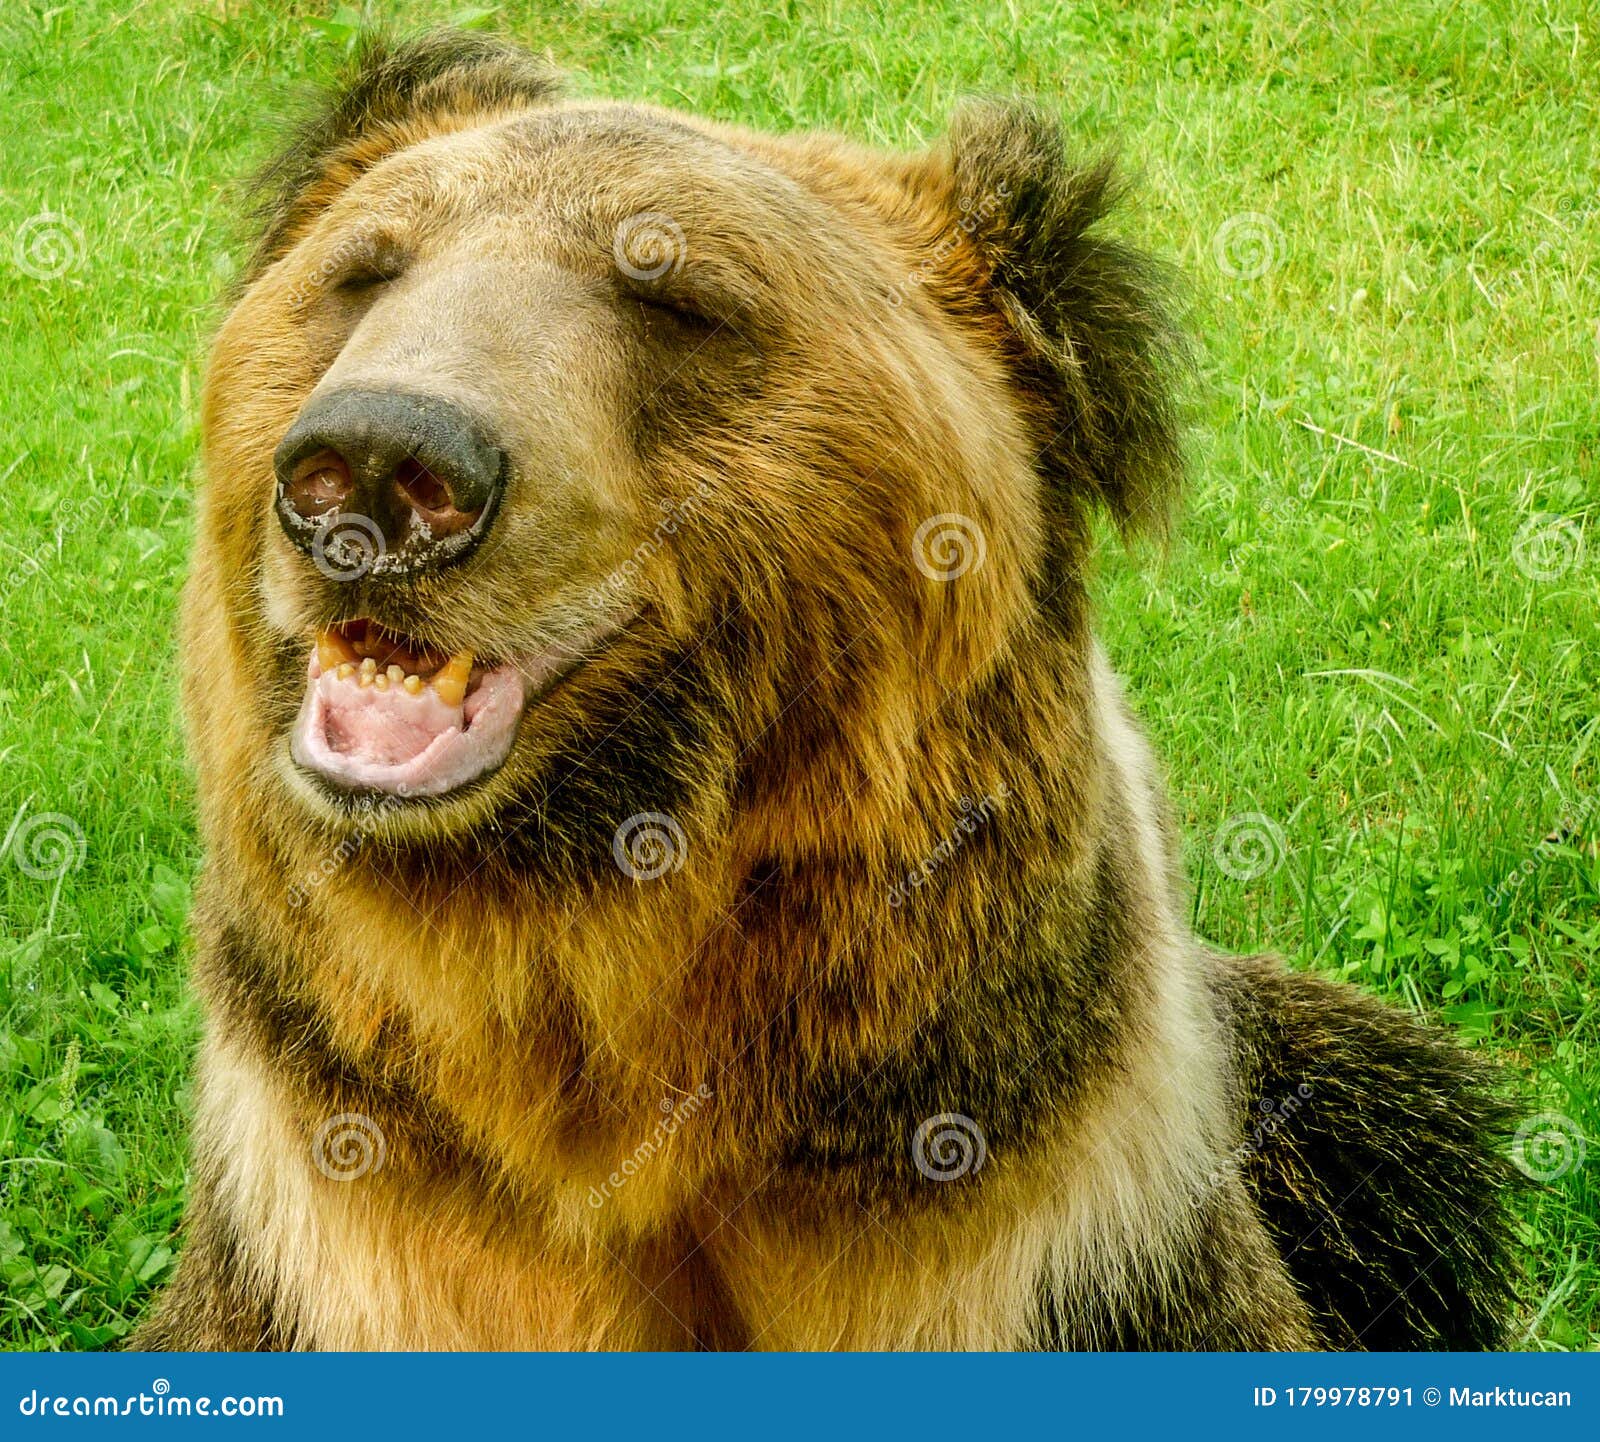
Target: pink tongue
(367, 739)
(385, 727)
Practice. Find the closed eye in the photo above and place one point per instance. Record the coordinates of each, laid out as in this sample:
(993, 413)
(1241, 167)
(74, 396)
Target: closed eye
(366, 278)
(678, 311)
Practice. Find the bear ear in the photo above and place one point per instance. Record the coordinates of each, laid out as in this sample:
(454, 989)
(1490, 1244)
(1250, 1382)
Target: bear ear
(1086, 317)
(390, 95)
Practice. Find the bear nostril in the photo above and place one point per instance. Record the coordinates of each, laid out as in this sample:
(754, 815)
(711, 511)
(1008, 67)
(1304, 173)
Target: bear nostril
(421, 487)
(319, 484)
(431, 499)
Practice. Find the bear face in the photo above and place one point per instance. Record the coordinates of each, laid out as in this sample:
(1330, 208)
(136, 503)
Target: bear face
(560, 447)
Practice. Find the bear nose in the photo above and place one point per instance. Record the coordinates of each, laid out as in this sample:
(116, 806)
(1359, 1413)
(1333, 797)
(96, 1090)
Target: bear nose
(386, 483)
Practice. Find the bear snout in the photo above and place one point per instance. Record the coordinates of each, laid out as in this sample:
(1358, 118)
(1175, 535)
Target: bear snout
(414, 474)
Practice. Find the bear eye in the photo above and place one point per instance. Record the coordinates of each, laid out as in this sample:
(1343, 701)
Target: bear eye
(366, 277)
(677, 309)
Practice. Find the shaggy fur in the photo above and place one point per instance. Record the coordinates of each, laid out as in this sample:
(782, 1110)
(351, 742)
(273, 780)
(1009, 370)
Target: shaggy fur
(912, 1048)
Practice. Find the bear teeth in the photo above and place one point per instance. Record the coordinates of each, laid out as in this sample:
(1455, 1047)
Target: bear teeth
(333, 651)
(450, 682)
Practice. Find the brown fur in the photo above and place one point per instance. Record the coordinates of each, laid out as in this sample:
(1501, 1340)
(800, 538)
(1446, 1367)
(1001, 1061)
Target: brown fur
(854, 343)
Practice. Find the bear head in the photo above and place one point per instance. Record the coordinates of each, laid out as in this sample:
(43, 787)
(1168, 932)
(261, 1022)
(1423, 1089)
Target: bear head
(573, 462)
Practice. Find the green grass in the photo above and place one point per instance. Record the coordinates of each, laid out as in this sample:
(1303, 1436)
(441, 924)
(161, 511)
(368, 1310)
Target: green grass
(1344, 642)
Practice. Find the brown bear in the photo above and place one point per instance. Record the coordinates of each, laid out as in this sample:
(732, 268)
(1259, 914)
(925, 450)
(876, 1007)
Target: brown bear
(680, 871)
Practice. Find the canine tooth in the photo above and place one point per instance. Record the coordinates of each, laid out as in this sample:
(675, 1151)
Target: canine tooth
(363, 678)
(369, 668)
(333, 650)
(451, 682)
(396, 674)
(346, 670)
(413, 685)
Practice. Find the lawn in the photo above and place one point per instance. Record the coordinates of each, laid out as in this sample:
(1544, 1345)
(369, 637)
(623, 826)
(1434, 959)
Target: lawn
(1371, 661)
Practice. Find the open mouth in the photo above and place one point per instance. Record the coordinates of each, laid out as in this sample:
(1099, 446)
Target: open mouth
(386, 713)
